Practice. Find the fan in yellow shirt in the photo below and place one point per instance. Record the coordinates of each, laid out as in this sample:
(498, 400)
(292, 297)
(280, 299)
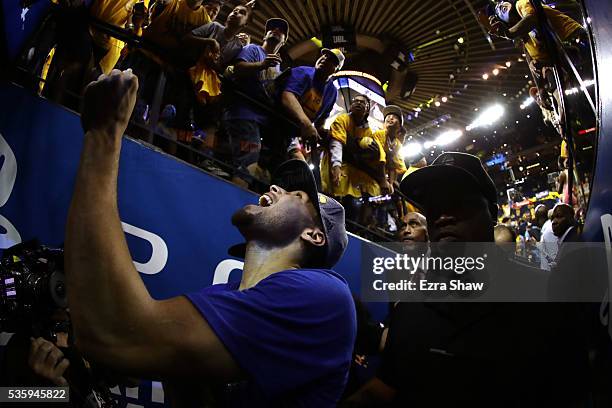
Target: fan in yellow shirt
(354, 164)
(523, 24)
(118, 13)
(390, 138)
(174, 20)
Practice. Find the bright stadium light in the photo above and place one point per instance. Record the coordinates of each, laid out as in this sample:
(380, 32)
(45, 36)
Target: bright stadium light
(487, 117)
(429, 144)
(448, 137)
(527, 102)
(411, 150)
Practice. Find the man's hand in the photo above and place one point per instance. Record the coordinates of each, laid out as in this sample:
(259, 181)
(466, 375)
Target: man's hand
(244, 39)
(108, 103)
(271, 60)
(385, 187)
(336, 174)
(498, 28)
(47, 361)
(373, 149)
(310, 135)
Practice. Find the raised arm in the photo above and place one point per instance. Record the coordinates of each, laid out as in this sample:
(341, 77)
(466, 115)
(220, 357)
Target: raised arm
(246, 68)
(116, 321)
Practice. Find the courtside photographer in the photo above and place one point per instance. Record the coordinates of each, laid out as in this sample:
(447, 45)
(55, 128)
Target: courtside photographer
(41, 352)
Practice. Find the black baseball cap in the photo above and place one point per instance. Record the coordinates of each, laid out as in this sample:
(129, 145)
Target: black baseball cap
(296, 175)
(280, 23)
(450, 168)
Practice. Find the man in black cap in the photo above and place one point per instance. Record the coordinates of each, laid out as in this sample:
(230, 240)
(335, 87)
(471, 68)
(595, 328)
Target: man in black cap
(472, 354)
(283, 335)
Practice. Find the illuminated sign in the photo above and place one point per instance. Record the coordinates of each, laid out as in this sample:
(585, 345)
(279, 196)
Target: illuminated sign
(496, 159)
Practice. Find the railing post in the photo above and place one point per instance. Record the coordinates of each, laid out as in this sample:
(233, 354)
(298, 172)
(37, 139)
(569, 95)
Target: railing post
(156, 105)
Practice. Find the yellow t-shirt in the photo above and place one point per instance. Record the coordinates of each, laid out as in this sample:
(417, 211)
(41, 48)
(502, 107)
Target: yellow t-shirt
(562, 24)
(115, 12)
(354, 182)
(392, 151)
(175, 21)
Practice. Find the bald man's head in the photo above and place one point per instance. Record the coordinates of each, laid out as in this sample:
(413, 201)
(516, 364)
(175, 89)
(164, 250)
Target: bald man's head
(504, 234)
(414, 228)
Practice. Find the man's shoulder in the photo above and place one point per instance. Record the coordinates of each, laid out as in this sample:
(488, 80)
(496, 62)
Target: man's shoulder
(207, 29)
(303, 71)
(324, 279)
(380, 135)
(330, 89)
(252, 50)
(343, 118)
(317, 286)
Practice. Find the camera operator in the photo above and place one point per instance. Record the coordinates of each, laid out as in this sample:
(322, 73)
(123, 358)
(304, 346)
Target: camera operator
(41, 362)
(41, 352)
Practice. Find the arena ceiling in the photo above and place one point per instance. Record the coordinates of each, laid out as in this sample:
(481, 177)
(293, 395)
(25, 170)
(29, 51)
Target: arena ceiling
(451, 50)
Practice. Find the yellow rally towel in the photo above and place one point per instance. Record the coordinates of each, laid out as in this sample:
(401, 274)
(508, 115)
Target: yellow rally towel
(206, 82)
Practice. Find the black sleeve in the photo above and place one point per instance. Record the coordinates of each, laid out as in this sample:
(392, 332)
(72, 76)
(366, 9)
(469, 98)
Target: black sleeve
(387, 370)
(369, 331)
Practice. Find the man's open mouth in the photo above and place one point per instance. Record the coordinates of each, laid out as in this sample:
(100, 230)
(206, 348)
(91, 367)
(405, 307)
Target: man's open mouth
(265, 201)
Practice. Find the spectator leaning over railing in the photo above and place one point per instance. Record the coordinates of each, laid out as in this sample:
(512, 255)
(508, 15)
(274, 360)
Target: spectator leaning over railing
(520, 21)
(129, 14)
(171, 21)
(253, 72)
(354, 164)
(308, 95)
(217, 46)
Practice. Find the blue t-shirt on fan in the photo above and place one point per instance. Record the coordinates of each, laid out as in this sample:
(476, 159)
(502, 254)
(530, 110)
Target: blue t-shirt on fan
(316, 97)
(258, 86)
(292, 333)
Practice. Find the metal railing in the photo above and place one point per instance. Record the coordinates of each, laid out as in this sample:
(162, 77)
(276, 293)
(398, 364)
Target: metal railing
(562, 62)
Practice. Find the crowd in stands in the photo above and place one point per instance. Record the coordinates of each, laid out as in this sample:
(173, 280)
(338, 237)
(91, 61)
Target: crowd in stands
(214, 96)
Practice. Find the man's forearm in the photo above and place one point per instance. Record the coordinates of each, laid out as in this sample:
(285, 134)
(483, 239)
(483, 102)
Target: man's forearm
(244, 68)
(103, 286)
(523, 27)
(379, 173)
(293, 107)
(196, 44)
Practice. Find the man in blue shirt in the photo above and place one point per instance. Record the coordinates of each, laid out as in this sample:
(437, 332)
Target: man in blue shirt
(254, 72)
(309, 96)
(283, 336)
